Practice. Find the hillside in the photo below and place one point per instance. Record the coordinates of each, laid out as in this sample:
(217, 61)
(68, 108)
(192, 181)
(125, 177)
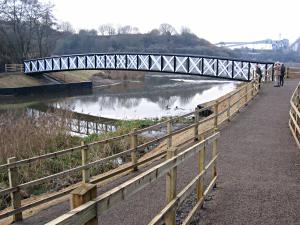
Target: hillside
(149, 42)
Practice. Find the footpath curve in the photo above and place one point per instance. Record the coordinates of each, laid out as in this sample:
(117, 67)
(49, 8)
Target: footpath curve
(259, 165)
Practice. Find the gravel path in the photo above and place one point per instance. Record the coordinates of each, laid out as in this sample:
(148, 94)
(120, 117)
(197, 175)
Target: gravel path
(259, 166)
(259, 180)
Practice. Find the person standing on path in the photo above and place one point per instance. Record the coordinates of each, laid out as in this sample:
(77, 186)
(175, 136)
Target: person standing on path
(282, 73)
(277, 73)
(259, 73)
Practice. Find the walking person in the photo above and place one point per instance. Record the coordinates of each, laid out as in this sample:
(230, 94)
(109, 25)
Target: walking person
(259, 73)
(277, 73)
(282, 73)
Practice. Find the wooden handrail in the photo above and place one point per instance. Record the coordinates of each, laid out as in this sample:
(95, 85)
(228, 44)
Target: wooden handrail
(103, 202)
(14, 68)
(295, 118)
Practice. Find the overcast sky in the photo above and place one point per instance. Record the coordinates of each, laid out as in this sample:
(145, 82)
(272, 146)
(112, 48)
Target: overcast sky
(214, 20)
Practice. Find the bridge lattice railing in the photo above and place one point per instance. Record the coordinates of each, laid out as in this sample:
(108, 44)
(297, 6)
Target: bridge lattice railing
(233, 69)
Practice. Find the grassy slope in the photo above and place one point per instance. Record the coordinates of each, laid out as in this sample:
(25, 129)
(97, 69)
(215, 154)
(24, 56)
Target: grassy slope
(75, 76)
(11, 81)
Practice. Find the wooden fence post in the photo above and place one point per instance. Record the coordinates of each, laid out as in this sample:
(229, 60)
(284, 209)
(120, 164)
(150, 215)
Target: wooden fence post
(228, 107)
(171, 182)
(169, 130)
(298, 94)
(134, 147)
(201, 159)
(83, 194)
(255, 88)
(252, 88)
(246, 95)
(216, 113)
(196, 136)
(239, 101)
(214, 153)
(15, 196)
(84, 161)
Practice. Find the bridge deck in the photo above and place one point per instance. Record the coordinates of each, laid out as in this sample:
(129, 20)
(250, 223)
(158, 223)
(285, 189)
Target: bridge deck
(259, 173)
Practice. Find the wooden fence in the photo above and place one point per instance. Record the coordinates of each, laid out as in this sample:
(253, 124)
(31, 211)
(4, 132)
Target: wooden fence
(118, 194)
(14, 68)
(224, 109)
(292, 72)
(294, 120)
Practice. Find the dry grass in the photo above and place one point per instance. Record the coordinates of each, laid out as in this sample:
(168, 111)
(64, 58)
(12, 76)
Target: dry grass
(86, 75)
(13, 81)
(24, 136)
(75, 76)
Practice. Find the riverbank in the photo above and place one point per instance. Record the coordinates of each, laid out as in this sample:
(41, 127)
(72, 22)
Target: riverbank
(17, 80)
(21, 84)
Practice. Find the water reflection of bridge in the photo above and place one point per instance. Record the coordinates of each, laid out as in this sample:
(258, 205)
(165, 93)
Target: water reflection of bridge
(78, 123)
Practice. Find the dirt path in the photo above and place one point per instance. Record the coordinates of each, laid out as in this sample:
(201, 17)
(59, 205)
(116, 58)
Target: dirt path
(259, 182)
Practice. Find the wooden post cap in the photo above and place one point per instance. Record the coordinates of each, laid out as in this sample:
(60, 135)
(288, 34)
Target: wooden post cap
(84, 193)
(83, 189)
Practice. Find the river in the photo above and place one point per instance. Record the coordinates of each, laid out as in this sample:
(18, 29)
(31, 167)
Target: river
(158, 95)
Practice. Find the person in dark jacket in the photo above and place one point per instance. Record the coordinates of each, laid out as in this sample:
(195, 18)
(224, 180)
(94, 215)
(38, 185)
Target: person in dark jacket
(282, 73)
(259, 73)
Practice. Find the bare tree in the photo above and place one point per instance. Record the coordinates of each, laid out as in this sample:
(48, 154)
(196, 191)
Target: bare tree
(66, 27)
(106, 29)
(127, 30)
(154, 32)
(167, 29)
(124, 29)
(42, 28)
(185, 30)
(135, 30)
(22, 24)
